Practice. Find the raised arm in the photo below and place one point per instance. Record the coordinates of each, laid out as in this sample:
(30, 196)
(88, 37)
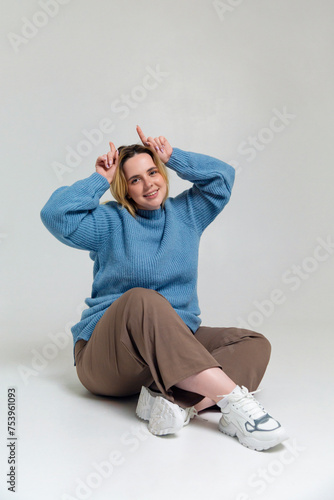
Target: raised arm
(212, 181)
(212, 178)
(73, 214)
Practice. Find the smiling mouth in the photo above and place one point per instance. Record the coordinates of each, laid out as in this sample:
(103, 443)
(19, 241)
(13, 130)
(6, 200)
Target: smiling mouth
(151, 195)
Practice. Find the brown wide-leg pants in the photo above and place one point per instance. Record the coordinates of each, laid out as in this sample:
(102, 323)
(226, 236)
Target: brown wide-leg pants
(141, 340)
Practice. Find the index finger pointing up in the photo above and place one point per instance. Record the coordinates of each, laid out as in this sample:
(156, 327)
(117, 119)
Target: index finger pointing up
(141, 135)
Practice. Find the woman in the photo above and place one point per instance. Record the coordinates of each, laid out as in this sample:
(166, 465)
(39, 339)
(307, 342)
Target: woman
(141, 331)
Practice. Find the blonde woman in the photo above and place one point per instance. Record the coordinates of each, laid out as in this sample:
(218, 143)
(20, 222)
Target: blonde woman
(142, 332)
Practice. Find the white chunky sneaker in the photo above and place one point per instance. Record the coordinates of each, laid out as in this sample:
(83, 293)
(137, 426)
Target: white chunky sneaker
(243, 416)
(145, 403)
(164, 417)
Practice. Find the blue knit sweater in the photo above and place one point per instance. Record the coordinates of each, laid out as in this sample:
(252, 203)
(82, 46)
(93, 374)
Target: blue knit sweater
(157, 249)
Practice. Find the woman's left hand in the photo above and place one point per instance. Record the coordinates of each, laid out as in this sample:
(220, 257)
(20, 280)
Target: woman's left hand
(160, 145)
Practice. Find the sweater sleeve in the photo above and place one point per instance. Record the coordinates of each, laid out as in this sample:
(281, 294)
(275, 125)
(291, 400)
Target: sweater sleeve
(212, 181)
(73, 214)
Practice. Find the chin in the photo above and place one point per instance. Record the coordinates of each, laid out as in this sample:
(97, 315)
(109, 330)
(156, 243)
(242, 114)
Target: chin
(151, 206)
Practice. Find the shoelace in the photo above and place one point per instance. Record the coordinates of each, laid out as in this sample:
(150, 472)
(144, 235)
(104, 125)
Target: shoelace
(247, 402)
(190, 413)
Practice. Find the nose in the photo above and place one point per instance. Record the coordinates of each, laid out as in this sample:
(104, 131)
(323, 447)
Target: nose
(148, 182)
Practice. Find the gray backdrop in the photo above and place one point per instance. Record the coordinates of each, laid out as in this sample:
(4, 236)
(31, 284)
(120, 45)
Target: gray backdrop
(247, 82)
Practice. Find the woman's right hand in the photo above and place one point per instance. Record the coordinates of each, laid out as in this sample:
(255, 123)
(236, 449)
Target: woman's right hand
(106, 165)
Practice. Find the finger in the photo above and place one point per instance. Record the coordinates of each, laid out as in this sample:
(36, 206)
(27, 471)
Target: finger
(111, 154)
(102, 161)
(141, 135)
(112, 159)
(112, 151)
(152, 143)
(159, 143)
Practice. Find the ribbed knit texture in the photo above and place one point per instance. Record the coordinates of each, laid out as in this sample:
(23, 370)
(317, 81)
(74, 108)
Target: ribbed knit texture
(157, 249)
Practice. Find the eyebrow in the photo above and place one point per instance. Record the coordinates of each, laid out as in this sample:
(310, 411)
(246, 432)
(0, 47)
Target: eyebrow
(138, 175)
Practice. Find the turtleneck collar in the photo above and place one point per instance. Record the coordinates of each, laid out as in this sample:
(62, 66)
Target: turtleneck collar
(150, 214)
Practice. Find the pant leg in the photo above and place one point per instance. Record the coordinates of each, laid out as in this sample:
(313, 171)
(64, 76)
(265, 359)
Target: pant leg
(139, 340)
(242, 354)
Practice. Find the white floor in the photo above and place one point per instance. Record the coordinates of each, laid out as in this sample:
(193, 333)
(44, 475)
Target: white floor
(73, 445)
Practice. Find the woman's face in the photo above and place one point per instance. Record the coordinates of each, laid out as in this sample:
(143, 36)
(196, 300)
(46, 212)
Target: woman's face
(146, 186)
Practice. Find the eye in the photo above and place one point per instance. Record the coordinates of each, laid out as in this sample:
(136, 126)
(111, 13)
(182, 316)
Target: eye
(134, 181)
(153, 172)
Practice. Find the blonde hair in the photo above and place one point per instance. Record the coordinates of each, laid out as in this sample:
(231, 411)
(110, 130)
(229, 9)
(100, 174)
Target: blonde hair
(119, 185)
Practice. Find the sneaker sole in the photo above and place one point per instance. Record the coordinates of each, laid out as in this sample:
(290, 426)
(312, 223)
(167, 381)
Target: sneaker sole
(252, 443)
(145, 404)
(162, 407)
